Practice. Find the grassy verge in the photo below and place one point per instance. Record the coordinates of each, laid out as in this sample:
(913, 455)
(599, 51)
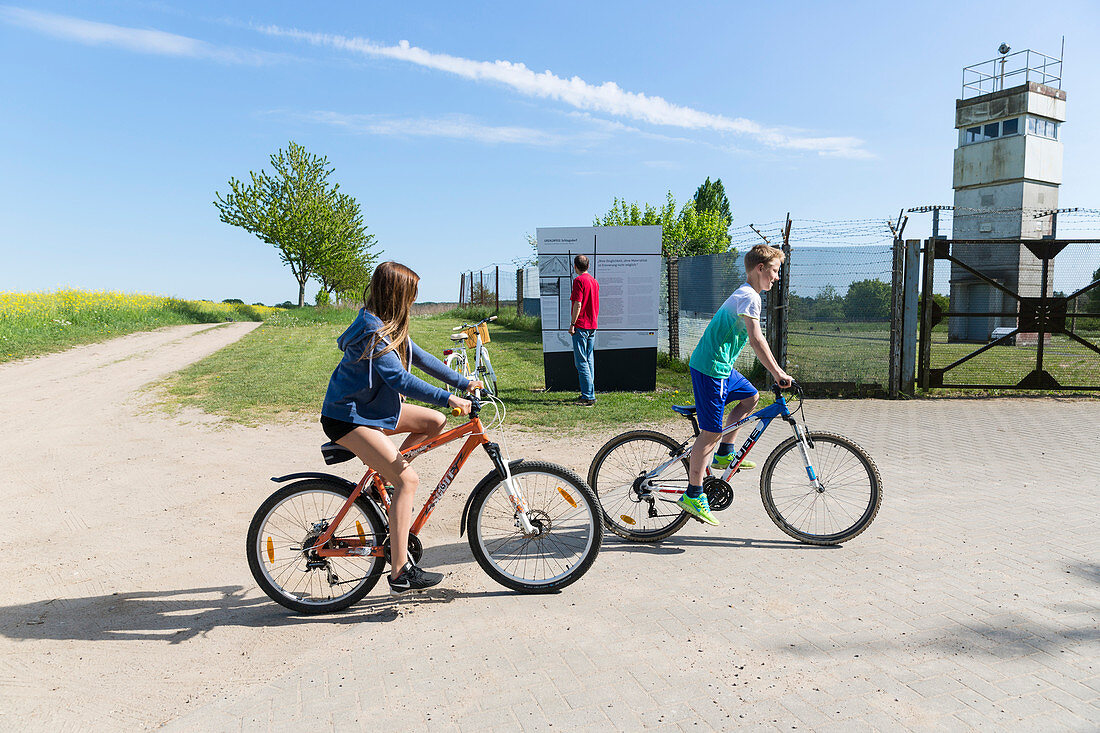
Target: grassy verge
(40, 323)
(282, 369)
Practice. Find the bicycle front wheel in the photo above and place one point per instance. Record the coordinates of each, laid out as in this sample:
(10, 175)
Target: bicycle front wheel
(632, 512)
(286, 527)
(487, 375)
(848, 499)
(564, 510)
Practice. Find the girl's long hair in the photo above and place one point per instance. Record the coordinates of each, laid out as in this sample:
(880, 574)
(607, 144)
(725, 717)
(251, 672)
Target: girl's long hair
(390, 296)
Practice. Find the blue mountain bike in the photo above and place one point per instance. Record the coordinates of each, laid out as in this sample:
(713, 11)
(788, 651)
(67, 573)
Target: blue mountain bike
(820, 488)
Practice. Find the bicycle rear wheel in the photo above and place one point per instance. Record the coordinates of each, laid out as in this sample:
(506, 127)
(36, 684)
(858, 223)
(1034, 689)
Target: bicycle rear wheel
(286, 525)
(849, 498)
(563, 508)
(646, 515)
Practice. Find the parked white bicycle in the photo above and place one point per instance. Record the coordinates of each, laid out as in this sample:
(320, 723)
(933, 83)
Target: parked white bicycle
(472, 336)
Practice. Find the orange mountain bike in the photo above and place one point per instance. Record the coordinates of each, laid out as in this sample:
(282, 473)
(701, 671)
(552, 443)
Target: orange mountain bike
(321, 543)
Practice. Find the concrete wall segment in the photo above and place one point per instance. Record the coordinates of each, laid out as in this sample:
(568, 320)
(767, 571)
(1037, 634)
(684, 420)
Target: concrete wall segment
(1032, 98)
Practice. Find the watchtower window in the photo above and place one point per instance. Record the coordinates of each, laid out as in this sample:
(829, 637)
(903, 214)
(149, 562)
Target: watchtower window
(991, 131)
(1042, 128)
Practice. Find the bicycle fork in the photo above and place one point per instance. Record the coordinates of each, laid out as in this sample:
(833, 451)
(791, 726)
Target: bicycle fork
(519, 502)
(804, 447)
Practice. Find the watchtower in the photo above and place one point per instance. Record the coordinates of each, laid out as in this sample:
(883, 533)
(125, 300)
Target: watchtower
(1008, 167)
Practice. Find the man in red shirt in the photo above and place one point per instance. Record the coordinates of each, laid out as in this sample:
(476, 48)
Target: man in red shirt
(582, 325)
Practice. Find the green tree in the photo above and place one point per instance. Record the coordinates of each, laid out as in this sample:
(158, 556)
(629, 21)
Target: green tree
(828, 305)
(867, 300)
(296, 210)
(684, 232)
(344, 265)
(712, 197)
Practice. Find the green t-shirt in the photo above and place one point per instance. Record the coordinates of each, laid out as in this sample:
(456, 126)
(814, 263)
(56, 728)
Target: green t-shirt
(726, 334)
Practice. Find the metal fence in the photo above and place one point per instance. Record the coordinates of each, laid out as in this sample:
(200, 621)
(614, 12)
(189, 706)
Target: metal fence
(501, 287)
(702, 284)
(1021, 314)
(838, 325)
(843, 319)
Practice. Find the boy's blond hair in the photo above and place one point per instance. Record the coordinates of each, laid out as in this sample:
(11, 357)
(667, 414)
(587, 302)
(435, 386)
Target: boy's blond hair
(762, 254)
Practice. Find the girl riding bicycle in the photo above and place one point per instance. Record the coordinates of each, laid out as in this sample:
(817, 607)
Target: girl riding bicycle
(365, 403)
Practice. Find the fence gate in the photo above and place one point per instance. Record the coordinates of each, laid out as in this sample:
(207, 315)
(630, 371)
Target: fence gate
(1003, 297)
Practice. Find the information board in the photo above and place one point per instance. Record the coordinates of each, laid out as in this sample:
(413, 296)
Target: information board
(626, 262)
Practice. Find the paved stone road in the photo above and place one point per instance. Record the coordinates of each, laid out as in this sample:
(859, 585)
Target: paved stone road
(972, 602)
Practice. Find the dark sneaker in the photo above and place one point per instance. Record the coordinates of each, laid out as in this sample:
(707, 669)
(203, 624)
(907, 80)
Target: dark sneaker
(413, 578)
(584, 401)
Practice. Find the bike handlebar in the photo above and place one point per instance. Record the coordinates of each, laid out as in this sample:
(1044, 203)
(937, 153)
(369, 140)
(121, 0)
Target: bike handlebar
(793, 389)
(474, 325)
(475, 407)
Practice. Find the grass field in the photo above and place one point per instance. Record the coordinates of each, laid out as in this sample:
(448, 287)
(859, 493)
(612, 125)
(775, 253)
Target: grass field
(39, 323)
(859, 353)
(1066, 360)
(282, 369)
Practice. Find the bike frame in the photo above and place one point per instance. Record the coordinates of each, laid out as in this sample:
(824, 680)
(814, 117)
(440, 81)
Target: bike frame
(765, 415)
(474, 432)
(479, 349)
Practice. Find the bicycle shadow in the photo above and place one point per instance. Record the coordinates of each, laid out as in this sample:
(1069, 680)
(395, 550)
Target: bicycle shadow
(678, 544)
(175, 616)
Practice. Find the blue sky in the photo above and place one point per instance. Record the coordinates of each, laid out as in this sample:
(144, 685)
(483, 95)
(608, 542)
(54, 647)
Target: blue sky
(460, 128)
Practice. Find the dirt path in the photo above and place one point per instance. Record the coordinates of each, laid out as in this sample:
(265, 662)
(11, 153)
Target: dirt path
(127, 599)
(971, 603)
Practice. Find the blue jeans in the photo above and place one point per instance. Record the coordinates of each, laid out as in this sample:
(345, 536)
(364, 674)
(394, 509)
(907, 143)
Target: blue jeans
(584, 340)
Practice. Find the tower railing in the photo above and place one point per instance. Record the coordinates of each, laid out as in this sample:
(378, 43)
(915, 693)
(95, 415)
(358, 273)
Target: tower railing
(1011, 70)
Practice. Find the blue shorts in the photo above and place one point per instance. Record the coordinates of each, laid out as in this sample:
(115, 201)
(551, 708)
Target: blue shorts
(713, 394)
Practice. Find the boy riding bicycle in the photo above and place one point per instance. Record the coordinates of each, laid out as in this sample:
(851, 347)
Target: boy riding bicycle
(716, 383)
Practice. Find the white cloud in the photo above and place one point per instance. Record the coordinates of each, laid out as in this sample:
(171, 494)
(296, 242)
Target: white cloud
(139, 40)
(607, 98)
(462, 127)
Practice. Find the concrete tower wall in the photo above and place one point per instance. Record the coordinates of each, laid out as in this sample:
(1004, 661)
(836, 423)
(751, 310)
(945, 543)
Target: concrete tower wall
(1000, 184)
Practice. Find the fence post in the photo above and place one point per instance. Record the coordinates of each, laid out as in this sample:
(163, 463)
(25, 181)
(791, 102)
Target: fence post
(519, 292)
(897, 291)
(496, 292)
(784, 296)
(909, 317)
(925, 344)
(778, 302)
(462, 290)
(674, 307)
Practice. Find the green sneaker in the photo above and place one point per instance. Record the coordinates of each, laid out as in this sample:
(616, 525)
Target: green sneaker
(721, 463)
(698, 508)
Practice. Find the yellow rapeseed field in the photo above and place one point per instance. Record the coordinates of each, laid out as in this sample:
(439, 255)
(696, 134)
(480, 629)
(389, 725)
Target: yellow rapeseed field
(39, 322)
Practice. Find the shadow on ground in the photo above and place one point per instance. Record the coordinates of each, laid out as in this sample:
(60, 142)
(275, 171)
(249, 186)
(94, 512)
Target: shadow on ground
(678, 544)
(175, 616)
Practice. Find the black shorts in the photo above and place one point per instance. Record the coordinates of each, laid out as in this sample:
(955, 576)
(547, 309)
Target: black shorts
(336, 429)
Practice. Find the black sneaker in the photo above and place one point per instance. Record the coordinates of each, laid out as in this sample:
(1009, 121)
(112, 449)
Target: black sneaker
(413, 578)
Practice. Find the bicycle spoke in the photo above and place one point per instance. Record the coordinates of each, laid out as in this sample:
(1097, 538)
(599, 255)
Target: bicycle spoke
(564, 535)
(844, 505)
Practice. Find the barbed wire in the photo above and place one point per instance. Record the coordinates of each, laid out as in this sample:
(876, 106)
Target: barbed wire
(865, 232)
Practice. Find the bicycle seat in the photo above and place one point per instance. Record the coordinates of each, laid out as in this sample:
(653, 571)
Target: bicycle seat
(685, 410)
(458, 337)
(336, 453)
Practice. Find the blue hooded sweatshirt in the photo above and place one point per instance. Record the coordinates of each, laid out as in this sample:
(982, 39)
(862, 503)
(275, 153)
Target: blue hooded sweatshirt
(365, 390)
